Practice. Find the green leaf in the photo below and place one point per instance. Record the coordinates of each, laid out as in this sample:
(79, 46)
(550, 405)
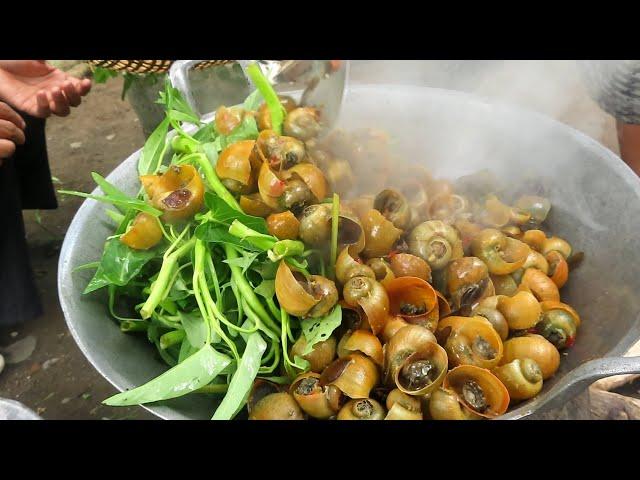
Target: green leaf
(205, 133)
(101, 75)
(98, 281)
(178, 116)
(319, 329)
(243, 262)
(212, 232)
(267, 270)
(242, 380)
(266, 289)
(247, 130)
(151, 156)
(186, 350)
(223, 213)
(115, 216)
(253, 101)
(108, 188)
(87, 266)
(135, 204)
(196, 371)
(302, 363)
(172, 99)
(210, 149)
(195, 328)
(121, 263)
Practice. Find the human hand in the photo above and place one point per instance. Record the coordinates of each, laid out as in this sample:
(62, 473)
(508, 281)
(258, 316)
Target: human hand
(11, 131)
(39, 89)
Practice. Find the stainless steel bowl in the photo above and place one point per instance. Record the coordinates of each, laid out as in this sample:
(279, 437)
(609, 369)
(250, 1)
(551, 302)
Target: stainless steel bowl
(596, 203)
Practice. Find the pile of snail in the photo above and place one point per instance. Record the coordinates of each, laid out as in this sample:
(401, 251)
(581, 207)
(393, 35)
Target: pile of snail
(451, 300)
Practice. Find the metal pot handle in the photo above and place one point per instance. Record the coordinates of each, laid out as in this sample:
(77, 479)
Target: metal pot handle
(581, 377)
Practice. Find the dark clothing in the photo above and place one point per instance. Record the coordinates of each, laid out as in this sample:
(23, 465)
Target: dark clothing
(25, 183)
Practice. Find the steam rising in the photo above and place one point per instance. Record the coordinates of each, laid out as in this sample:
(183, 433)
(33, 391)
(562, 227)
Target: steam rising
(554, 88)
(462, 142)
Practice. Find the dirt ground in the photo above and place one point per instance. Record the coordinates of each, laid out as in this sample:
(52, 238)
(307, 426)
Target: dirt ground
(56, 380)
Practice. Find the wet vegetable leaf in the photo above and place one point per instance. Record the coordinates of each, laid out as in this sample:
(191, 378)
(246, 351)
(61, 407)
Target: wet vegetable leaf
(219, 233)
(316, 330)
(225, 214)
(266, 289)
(211, 151)
(195, 328)
(253, 101)
(243, 262)
(186, 350)
(124, 202)
(194, 372)
(243, 378)
(267, 270)
(205, 133)
(120, 263)
(106, 187)
(172, 99)
(98, 281)
(247, 130)
(151, 155)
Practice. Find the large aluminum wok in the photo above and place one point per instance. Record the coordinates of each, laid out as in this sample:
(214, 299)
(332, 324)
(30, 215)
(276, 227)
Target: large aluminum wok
(596, 204)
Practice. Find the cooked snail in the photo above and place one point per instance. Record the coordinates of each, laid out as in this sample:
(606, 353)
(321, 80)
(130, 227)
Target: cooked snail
(362, 409)
(435, 242)
(536, 348)
(304, 297)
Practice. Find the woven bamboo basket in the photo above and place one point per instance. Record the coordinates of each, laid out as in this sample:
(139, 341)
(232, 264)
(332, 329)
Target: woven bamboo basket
(150, 66)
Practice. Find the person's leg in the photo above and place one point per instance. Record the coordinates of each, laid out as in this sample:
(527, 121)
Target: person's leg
(19, 298)
(629, 140)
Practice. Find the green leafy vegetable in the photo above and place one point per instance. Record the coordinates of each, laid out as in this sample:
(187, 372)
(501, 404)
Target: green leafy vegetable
(253, 101)
(194, 372)
(195, 328)
(222, 213)
(242, 380)
(318, 329)
(266, 289)
(119, 201)
(154, 149)
(270, 96)
(119, 263)
(247, 130)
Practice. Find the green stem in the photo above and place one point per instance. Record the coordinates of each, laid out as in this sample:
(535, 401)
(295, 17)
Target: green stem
(215, 388)
(276, 361)
(212, 179)
(251, 315)
(270, 97)
(214, 276)
(159, 287)
(247, 292)
(257, 239)
(275, 311)
(134, 326)
(212, 313)
(171, 338)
